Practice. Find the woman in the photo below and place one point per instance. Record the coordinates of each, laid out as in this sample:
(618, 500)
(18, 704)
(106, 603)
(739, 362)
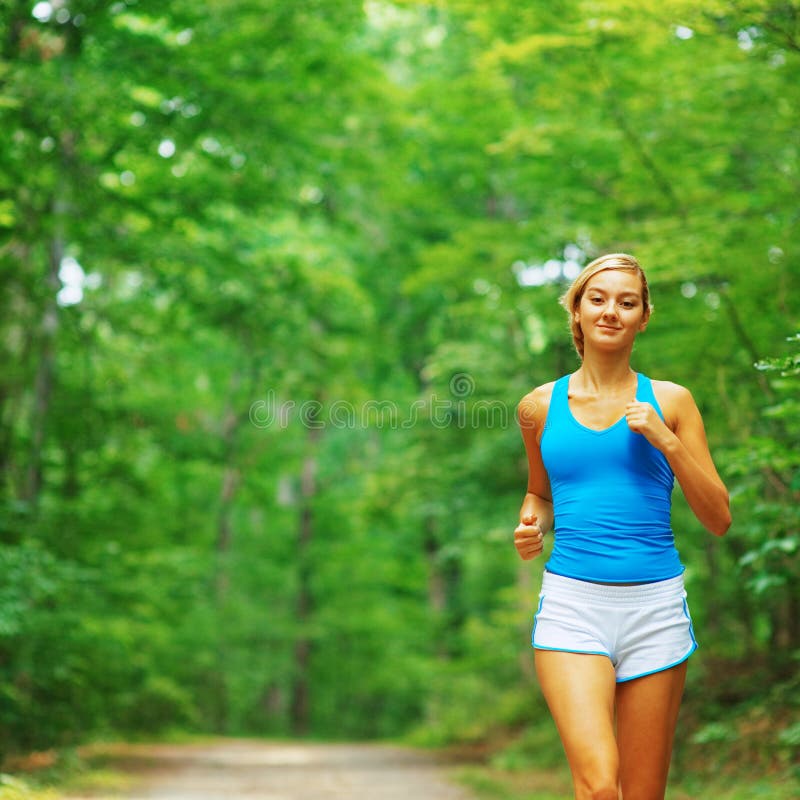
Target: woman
(612, 633)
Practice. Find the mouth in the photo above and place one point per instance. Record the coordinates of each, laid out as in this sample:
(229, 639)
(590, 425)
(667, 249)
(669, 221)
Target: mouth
(608, 328)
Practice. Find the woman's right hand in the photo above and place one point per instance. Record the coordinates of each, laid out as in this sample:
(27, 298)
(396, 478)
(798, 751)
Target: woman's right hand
(528, 537)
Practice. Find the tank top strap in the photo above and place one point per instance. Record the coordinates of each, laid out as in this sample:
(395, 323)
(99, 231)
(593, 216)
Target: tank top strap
(559, 401)
(645, 394)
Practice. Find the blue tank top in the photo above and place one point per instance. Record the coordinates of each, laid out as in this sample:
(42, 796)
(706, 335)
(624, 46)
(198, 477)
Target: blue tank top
(612, 493)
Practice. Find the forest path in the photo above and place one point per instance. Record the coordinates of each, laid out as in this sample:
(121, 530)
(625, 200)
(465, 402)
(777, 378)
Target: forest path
(246, 770)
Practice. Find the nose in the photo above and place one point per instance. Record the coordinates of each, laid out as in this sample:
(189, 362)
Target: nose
(610, 310)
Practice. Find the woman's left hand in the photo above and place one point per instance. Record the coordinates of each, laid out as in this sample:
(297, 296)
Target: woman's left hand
(643, 418)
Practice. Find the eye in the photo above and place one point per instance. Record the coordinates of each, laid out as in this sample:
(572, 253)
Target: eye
(595, 299)
(628, 304)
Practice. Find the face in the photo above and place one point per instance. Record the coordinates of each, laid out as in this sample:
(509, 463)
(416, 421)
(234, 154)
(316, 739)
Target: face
(611, 311)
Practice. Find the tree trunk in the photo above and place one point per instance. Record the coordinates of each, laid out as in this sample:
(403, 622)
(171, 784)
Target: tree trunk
(45, 371)
(230, 484)
(301, 700)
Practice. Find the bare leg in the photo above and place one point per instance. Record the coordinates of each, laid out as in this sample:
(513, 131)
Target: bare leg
(647, 712)
(579, 689)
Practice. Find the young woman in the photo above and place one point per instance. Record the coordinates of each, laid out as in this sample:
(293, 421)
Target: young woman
(612, 632)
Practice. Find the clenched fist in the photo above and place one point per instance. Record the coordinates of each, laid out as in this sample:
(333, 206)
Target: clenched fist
(528, 537)
(643, 418)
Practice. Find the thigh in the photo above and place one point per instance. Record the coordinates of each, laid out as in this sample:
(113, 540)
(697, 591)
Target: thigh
(579, 690)
(647, 713)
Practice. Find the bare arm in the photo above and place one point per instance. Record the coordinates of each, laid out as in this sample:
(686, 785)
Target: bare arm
(686, 449)
(536, 513)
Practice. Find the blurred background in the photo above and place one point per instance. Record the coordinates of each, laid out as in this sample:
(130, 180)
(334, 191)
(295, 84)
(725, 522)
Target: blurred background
(275, 274)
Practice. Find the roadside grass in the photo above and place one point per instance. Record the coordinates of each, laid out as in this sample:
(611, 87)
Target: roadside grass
(734, 742)
(488, 783)
(533, 767)
(492, 784)
(86, 772)
(13, 788)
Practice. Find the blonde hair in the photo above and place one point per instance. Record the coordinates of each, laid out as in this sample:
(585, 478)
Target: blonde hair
(572, 297)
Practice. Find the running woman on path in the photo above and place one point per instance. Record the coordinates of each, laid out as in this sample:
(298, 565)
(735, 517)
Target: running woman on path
(612, 633)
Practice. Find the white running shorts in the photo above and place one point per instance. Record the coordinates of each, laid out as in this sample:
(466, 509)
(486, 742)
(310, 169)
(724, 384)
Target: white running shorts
(643, 628)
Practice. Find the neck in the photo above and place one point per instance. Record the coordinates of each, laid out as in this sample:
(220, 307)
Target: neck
(605, 371)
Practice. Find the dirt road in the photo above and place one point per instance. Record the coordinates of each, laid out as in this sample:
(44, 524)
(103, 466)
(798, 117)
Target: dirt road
(249, 770)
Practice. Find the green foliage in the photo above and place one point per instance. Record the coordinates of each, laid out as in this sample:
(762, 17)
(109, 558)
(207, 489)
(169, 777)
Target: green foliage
(262, 476)
(765, 468)
(787, 366)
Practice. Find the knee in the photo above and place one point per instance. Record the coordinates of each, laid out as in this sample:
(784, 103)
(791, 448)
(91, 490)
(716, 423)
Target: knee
(603, 792)
(597, 778)
(599, 790)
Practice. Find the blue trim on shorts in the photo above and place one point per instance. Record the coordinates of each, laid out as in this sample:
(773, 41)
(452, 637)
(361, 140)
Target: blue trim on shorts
(691, 624)
(620, 680)
(600, 587)
(660, 669)
(536, 618)
(576, 652)
(674, 664)
(560, 649)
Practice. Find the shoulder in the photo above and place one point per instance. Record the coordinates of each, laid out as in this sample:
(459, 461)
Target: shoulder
(676, 401)
(671, 392)
(538, 397)
(532, 408)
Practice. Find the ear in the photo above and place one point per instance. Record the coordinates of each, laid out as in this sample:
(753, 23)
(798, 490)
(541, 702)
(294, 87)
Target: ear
(645, 320)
